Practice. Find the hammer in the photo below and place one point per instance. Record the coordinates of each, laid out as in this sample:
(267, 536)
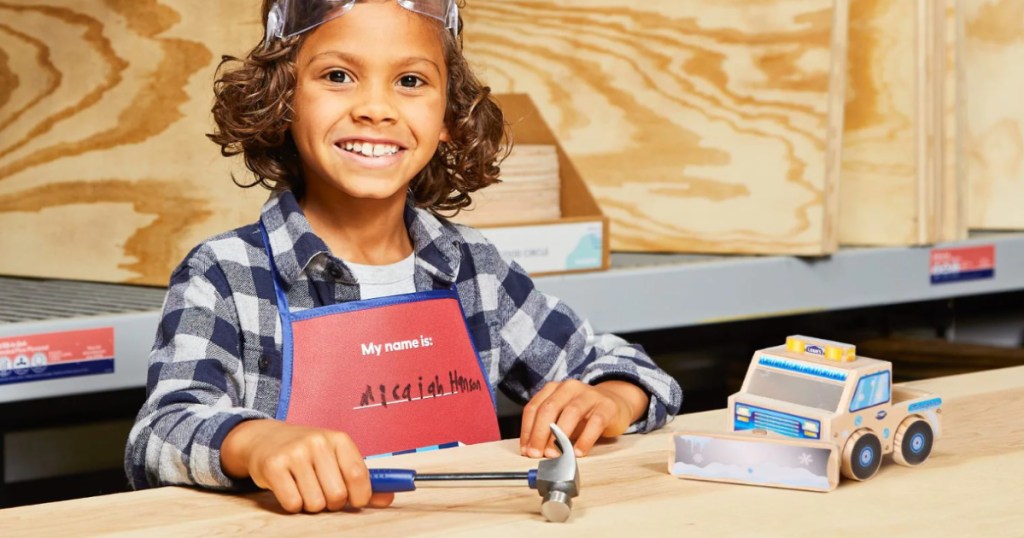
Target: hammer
(557, 480)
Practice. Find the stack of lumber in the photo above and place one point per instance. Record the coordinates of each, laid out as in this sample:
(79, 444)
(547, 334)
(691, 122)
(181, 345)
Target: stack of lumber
(709, 126)
(530, 190)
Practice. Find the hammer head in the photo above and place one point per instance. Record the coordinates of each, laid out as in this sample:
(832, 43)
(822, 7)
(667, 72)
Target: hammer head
(558, 480)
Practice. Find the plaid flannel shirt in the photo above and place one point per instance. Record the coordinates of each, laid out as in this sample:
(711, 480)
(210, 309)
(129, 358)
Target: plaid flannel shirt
(217, 357)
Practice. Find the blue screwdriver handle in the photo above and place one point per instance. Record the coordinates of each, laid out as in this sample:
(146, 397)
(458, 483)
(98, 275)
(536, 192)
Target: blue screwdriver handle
(392, 480)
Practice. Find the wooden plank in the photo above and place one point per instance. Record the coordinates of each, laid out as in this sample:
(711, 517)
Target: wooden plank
(993, 51)
(105, 173)
(879, 186)
(707, 126)
(954, 191)
(899, 182)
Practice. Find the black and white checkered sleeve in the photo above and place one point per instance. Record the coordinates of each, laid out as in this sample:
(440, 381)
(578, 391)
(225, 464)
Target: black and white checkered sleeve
(544, 340)
(194, 385)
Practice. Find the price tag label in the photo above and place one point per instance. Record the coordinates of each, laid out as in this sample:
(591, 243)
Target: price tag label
(39, 357)
(961, 264)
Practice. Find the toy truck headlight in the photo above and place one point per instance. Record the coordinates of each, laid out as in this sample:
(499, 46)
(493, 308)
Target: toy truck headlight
(811, 426)
(742, 411)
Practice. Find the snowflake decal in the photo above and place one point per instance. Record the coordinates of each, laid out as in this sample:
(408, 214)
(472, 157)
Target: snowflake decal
(806, 459)
(698, 458)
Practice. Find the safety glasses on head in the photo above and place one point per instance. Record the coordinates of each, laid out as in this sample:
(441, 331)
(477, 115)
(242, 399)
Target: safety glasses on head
(288, 18)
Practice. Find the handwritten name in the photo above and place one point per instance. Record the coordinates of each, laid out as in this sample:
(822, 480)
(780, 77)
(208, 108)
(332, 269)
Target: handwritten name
(386, 394)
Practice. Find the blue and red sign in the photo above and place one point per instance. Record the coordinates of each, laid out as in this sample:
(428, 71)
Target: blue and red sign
(39, 357)
(963, 263)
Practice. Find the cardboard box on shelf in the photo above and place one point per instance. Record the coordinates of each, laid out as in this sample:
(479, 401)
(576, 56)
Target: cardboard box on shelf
(579, 240)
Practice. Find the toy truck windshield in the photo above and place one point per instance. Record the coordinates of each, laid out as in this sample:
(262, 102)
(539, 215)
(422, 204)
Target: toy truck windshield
(796, 388)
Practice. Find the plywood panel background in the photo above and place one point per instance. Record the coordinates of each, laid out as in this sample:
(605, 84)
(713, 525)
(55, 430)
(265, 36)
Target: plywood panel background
(993, 51)
(879, 187)
(699, 126)
(955, 192)
(899, 181)
(105, 173)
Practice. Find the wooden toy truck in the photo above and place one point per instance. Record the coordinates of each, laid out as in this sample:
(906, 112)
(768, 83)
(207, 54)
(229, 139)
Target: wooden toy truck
(807, 411)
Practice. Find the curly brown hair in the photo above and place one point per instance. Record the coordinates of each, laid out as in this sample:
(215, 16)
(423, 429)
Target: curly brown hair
(252, 109)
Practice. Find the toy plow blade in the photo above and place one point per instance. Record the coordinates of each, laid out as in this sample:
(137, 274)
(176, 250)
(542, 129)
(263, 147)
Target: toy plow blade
(755, 459)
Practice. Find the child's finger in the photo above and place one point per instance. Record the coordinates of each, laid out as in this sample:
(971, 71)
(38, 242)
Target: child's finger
(572, 417)
(530, 414)
(381, 500)
(592, 430)
(313, 500)
(354, 472)
(548, 412)
(281, 482)
(332, 484)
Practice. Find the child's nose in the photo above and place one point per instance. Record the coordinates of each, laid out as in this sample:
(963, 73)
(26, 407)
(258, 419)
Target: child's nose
(375, 106)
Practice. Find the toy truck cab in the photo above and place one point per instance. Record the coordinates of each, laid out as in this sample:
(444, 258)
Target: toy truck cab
(817, 389)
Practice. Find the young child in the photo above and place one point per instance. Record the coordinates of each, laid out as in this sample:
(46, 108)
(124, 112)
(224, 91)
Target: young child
(284, 345)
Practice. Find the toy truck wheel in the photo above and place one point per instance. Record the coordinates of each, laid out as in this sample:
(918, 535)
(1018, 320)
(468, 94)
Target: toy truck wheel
(862, 455)
(913, 442)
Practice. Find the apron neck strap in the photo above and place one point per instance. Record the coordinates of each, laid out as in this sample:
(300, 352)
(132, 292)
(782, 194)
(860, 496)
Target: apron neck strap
(282, 300)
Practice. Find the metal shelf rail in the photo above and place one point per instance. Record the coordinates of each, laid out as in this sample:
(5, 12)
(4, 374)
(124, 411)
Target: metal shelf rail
(42, 307)
(657, 291)
(640, 292)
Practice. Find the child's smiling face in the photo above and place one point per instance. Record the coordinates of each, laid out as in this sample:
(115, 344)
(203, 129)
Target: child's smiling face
(369, 101)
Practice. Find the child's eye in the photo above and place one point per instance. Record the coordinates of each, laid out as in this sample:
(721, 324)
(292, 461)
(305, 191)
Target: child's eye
(411, 81)
(339, 77)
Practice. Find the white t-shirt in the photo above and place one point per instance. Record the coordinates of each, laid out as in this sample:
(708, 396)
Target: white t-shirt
(385, 280)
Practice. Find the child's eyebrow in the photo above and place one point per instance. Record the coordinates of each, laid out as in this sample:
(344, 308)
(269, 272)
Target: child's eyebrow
(358, 62)
(338, 54)
(418, 59)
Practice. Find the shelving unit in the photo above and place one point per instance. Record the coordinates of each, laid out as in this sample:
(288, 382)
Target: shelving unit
(29, 307)
(657, 291)
(640, 292)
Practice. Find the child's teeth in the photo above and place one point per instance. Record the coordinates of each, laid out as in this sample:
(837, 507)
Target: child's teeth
(371, 150)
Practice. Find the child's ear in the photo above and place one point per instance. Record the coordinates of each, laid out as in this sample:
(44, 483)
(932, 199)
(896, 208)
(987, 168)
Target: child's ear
(445, 136)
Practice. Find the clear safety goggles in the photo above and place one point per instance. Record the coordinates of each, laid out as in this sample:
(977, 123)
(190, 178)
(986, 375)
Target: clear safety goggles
(289, 18)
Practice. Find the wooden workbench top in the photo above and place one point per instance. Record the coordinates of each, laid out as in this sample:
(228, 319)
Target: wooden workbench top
(971, 485)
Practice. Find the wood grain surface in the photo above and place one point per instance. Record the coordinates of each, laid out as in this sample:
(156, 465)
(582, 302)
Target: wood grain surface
(626, 490)
(955, 190)
(699, 126)
(105, 173)
(993, 52)
(899, 182)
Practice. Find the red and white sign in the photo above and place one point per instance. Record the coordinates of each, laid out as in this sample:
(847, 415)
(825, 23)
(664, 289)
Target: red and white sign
(962, 263)
(38, 357)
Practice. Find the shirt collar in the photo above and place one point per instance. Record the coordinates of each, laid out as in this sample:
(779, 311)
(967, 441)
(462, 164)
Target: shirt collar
(436, 244)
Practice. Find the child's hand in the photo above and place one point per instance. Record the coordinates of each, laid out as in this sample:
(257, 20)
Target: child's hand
(308, 469)
(584, 412)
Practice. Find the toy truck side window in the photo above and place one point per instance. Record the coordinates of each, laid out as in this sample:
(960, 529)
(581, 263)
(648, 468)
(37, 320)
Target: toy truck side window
(872, 390)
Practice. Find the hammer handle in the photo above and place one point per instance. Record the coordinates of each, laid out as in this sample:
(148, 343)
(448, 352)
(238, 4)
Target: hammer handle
(398, 480)
(392, 480)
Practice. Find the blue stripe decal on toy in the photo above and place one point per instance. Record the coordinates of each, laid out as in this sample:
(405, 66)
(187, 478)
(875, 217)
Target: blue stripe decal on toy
(927, 404)
(801, 368)
(431, 448)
